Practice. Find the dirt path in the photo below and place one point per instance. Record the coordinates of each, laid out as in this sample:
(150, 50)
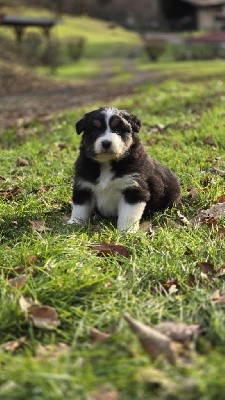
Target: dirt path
(33, 100)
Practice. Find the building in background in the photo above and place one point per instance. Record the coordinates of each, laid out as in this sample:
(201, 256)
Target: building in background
(159, 15)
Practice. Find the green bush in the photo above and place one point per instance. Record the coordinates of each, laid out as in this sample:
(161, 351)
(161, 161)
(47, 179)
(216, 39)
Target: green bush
(154, 47)
(195, 51)
(75, 47)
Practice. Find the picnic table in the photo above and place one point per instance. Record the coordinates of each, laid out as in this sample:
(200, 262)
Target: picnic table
(19, 24)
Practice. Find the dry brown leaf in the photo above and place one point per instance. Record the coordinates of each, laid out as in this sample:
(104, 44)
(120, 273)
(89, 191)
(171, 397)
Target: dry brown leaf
(61, 145)
(179, 331)
(193, 193)
(33, 260)
(9, 194)
(21, 162)
(19, 282)
(218, 297)
(217, 211)
(104, 392)
(207, 269)
(2, 178)
(153, 342)
(98, 336)
(221, 199)
(108, 249)
(13, 345)
(44, 317)
(41, 316)
(44, 189)
(171, 285)
(38, 226)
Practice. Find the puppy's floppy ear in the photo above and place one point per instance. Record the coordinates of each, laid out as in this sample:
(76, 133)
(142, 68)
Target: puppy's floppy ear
(133, 121)
(80, 125)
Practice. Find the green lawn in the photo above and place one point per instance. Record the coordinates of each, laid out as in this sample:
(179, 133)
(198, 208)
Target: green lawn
(89, 291)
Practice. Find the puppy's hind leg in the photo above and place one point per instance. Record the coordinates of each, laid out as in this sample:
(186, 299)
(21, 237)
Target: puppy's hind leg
(83, 204)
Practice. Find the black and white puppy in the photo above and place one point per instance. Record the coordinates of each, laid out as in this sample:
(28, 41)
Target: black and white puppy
(114, 174)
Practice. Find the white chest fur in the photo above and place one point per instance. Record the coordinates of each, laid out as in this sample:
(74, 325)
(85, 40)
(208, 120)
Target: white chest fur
(108, 190)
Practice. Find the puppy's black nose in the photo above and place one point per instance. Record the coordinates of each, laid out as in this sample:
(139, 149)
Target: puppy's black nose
(106, 144)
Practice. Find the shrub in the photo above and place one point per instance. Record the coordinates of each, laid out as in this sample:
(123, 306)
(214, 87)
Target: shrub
(75, 47)
(195, 51)
(154, 47)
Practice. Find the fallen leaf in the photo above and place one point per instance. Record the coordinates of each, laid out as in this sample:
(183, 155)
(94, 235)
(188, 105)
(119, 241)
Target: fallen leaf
(41, 316)
(2, 178)
(104, 392)
(218, 297)
(171, 285)
(18, 282)
(98, 336)
(215, 212)
(179, 331)
(8, 194)
(107, 249)
(193, 193)
(33, 260)
(13, 345)
(221, 199)
(207, 269)
(44, 317)
(153, 342)
(21, 162)
(44, 189)
(38, 226)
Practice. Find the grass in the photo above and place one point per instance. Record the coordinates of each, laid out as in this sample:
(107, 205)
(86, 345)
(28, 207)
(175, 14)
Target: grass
(88, 291)
(80, 69)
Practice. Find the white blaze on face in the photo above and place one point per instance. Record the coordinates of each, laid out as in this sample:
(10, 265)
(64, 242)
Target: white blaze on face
(117, 147)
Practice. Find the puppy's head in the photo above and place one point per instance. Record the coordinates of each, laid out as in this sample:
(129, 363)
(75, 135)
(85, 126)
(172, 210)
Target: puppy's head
(108, 133)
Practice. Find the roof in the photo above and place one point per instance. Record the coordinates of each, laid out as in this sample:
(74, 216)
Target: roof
(205, 3)
(24, 21)
(213, 37)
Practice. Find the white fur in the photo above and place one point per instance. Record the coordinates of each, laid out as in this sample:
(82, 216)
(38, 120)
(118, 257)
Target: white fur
(80, 213)
(129, 216)
(117, 148)
(108, 192)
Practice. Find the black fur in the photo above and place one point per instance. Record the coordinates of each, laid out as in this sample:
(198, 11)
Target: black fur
(158, 186)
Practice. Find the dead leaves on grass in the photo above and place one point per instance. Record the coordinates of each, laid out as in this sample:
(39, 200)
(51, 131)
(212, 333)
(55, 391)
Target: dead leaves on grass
(108, 249)
(169, 339)
(9, 194)
(39, 226)
(214, 213)
(12, 345)
(41, 316)
(218, 297)
(98, 336)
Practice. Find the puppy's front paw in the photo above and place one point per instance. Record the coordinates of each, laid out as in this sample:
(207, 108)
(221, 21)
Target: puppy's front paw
(75, 221)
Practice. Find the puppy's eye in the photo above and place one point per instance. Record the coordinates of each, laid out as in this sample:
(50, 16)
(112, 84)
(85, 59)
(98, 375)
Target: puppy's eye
(97, 124)
(115, 122)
